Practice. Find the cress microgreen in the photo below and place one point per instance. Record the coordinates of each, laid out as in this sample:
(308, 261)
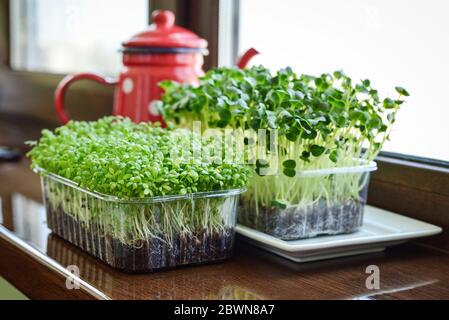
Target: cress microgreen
(118, 158)
(114, 156)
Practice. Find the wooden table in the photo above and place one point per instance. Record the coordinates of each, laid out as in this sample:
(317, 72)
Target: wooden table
(35, 261)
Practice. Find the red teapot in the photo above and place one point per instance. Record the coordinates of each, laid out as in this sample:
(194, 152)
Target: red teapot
(163, 52)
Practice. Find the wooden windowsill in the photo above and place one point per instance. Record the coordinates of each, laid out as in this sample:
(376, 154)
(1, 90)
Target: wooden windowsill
(35, 261)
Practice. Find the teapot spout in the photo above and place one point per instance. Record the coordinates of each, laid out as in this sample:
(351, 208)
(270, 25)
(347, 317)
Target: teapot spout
(242, 62)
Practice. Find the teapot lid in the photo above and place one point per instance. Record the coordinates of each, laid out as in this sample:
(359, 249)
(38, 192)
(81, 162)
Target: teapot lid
(163, 33)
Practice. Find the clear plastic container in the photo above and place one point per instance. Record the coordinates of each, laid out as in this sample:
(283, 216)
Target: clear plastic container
(142, 235)
(313, 203)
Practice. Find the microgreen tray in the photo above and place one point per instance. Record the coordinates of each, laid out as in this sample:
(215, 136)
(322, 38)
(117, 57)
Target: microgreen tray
(315, 202)
(142, 234)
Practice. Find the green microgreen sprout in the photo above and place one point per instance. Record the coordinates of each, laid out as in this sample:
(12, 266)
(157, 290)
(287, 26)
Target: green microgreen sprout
(324, 121)
(130, 164)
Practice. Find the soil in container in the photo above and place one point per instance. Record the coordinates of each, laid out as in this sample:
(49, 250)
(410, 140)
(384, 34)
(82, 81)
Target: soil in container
(149, 255)
(298, 222)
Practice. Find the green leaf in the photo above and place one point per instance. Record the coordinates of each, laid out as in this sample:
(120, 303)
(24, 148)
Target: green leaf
(221, 123)
(309, 135)
(255, 124)
(339, 120)
(338, 74)
(305, 155)
(271, 119)
(289, 172)
(305, 125)
(284, 114)
(402, 91)
(355, 115)
(291, 164)
(333, 156)
(337, 102)
(391, 117)
(374, 123)
(361, 88)
(317, 150)
(282, 204)
(291, 136)
(389, 103)
(225, 115)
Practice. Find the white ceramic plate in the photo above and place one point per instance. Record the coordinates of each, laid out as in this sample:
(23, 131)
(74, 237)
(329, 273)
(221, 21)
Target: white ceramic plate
(380, 229)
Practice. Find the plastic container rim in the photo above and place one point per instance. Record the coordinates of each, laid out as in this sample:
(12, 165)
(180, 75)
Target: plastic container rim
(364, 166)
(196, 195)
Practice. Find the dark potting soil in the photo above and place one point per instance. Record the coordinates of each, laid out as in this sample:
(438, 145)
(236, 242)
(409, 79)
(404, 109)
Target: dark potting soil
(295, 223)
(147, 256)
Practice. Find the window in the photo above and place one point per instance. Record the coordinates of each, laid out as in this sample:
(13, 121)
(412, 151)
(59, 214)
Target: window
(64, 36)
(401, 42)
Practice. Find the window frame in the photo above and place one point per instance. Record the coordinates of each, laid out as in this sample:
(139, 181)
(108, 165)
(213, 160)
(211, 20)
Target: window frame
(416, 187)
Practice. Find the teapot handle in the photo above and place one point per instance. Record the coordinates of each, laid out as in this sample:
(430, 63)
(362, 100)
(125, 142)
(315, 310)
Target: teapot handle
(66, 82)
(246, 57)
